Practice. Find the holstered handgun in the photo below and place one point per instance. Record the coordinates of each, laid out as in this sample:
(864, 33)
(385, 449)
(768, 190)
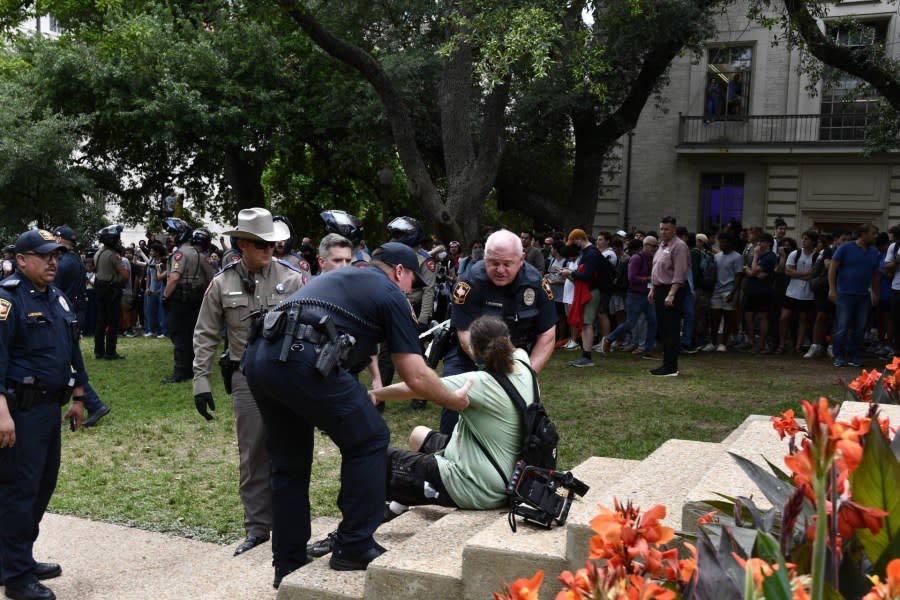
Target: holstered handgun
(335, 349)
(226, 366)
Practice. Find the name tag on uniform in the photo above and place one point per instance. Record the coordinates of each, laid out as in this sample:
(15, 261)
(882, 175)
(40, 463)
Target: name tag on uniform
(496, 304)
(234, 293)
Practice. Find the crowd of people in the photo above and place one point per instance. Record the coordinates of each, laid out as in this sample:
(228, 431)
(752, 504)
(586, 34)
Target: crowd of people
(506, 300)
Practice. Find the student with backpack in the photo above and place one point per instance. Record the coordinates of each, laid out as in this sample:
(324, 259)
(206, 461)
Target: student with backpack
(459, 470)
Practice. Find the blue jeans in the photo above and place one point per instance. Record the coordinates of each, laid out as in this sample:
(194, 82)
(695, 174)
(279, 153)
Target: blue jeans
(154, 317)
(688, 315)
(637, 304)
(851, 313)
(92, 401)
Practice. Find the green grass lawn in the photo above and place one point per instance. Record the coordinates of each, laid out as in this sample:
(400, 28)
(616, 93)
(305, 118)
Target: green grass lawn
(155, 463)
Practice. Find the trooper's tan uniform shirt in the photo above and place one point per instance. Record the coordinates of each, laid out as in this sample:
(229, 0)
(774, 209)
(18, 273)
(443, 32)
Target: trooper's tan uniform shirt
(194, 267)
(422, 298)
(228, 300)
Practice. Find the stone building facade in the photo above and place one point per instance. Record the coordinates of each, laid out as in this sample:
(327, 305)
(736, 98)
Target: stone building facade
(738, 134)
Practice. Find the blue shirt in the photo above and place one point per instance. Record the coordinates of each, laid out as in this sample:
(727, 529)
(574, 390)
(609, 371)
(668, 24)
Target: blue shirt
(38, 336)
(854, 275)
(765, 285)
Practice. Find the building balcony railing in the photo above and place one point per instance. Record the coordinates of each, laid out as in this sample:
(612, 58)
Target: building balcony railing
(837, 129)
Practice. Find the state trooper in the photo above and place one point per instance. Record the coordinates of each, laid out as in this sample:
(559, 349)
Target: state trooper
(301, 370)
(71, 276)
(347, 225)
(284, 249)
(256, 282)
(190, 272)
(109, 283)
(408, 231)
(40, 367)
(503, 285)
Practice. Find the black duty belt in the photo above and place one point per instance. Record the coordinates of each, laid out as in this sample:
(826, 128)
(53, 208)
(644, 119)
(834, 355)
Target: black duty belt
(308, 333)
(23, 397)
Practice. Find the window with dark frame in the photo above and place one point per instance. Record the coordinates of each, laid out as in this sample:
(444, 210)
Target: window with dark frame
(844, 120)
(728, 73)
(721, 200)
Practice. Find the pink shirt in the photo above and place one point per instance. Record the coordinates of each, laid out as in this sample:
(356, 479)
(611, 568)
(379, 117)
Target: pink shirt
(671, 263)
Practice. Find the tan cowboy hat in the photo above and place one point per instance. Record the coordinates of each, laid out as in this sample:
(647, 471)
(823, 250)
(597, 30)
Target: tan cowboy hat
(256, 224)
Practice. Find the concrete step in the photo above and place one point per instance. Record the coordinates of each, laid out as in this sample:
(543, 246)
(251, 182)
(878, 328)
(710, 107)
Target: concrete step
(495, 554)
(861, 409)
(317, 581)
(754, 440)
(428, 564)
(664, 477)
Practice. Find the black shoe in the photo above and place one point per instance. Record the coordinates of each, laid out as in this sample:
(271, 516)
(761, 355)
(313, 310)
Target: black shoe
(417, 404)
(173, 379)
(664, 372)
(32, 591)
(116, 356)
(46, 570)
(98, 356)
(389, 515)
(281, 574)
(250, 543)
(688, 349)
(342, 561)
(321, 547)
(96, 416)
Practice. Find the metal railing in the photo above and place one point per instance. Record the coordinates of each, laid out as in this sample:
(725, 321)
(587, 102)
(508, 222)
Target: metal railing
(838, 129)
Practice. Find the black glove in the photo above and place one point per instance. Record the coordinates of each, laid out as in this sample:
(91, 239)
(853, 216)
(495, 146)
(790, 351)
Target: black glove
(201, 401)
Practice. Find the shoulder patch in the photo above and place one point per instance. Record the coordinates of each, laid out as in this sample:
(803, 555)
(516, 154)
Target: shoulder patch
(5, 307)
(461, 292)
(178, 256)
(235, 258)
(430, 264)
(302, 264)
(545, 285)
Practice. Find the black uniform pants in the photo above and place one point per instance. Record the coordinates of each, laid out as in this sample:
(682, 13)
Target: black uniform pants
(28, 473)
(294, 399)
(181, 317)
(109, 305)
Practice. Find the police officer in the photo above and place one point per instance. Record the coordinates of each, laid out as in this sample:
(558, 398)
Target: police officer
(504, 285)
(408, 231)
(293, 376)
(109, 282)
(190, 272)
(256, 282)
(347, 225)
(40, 362)
(284, 248)
(71, 276)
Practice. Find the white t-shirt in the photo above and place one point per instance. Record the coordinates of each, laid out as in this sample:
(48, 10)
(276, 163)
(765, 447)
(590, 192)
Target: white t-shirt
(799, 289)
(569, 287)
(891, 258)
(611, 256)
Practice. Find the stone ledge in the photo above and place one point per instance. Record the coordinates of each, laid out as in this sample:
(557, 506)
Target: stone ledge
(496, 554)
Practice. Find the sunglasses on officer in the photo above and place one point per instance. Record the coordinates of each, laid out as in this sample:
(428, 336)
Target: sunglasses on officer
(263, 245)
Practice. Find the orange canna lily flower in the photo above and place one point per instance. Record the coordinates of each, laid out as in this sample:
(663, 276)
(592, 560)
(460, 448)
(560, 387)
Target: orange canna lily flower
(894, 364)
(864, 385)
(522, 589)
(644, 589)
(785, 424)
(709, 517)
(853, 516)
(890, 589)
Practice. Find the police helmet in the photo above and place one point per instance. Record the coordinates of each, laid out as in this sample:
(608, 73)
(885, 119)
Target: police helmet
(9, 249)
(406, 230)
(111, 236)
(342, 223)
(201, 237)
(179, 229)
(288, 243)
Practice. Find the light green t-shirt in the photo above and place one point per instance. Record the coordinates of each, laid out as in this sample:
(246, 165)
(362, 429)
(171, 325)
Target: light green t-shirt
(468, 474)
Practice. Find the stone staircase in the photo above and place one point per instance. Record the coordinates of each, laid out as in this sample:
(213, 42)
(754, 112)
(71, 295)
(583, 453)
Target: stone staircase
(445, 553)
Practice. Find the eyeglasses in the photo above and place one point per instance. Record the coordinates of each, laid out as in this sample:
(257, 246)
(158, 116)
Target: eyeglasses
(263, 245)
(47, 257)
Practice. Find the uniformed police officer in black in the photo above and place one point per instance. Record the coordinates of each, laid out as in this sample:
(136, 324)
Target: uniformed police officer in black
(190, 271)
(109, 282)
(504, 285)
(40, 366)
(71, 276)
(343, 315)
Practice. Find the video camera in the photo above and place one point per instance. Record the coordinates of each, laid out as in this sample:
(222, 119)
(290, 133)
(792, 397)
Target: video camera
(542, 496)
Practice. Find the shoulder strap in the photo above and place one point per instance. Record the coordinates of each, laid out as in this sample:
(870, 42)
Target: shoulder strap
(517, 401)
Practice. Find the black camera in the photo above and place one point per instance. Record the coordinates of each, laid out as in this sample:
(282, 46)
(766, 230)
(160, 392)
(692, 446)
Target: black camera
(541, 496)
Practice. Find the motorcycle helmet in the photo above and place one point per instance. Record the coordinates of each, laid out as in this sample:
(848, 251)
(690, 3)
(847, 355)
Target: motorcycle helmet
(288, 243)
(202, 238)
(342, 223)
(406, 230)
(111, 236)
(180, 230)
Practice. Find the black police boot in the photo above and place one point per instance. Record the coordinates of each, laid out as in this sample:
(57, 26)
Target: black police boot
(321, 547)
(96, 416)
(344, 561)
(32, 591)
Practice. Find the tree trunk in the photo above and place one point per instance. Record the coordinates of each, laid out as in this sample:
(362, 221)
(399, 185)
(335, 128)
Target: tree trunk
(244, 173)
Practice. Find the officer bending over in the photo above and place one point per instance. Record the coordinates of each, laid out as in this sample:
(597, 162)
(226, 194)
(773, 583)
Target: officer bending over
(343, 314)
(40, 362)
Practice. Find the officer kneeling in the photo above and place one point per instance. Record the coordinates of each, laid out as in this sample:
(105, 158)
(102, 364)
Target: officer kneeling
(40, 367)
(301, 371)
